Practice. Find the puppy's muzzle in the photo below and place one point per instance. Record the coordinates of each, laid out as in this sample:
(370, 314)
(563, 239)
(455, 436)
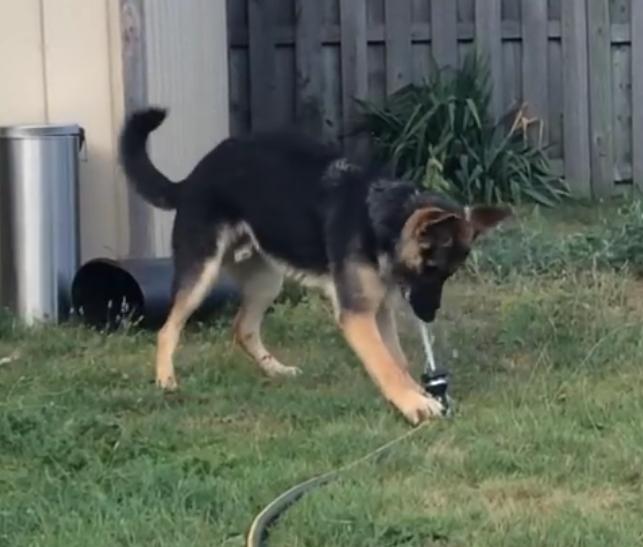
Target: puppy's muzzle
(424, 301)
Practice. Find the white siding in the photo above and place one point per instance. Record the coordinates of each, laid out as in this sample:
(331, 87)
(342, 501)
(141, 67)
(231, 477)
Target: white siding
(57, 65)
(78, 73)
(187, 75)
(22, 92)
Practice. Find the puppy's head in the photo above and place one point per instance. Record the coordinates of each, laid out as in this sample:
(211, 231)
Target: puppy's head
(434, 242)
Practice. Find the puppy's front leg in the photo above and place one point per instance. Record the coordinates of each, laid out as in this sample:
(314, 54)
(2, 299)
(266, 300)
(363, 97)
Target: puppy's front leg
(396, 384)
(387, 325)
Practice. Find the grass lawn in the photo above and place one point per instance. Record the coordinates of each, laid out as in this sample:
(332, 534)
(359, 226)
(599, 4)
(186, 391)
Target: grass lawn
(546, 447)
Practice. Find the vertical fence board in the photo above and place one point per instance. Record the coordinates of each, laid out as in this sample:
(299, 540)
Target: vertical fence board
(637, 93)
(512, 75)
(374, 13)
(444, 32)
(575, 97)
(466, 11)
(621, 15)
(535, 58)
(622, 113)
(420, 11)
(239, 86)
(556, 102)
(308, 60)
(354, 66)
(377, 81)
(330, 12)
(511, 10)
(284, 12)
(332, 93)
(620, 10)
(236, 13)
(489, 43)
(261, 44)
(399, 56)
(600, 97)
(285, 97)
(512, 59)
(422, 64)
(555, 10)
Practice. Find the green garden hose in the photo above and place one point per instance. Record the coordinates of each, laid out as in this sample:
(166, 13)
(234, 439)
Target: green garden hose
(258, 533)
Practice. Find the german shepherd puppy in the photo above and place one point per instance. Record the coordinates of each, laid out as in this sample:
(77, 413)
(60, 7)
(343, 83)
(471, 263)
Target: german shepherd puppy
(274, 205)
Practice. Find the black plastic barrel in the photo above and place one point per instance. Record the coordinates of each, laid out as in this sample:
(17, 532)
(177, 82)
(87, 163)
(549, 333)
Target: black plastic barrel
(110, 293)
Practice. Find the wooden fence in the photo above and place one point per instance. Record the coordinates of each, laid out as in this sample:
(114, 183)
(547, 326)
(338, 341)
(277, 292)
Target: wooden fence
(578, 64)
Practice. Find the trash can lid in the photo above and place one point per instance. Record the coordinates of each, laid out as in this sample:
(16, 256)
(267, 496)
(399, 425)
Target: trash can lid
(46, 130)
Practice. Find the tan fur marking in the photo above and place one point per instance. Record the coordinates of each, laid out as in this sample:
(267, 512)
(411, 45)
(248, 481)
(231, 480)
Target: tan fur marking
(396, 384)
(411, 245)
(185, 303)
(387, 325)
(422, 218)
(371, 286)
(410, 253)
(260, 283)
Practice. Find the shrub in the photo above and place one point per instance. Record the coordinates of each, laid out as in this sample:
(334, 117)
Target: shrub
(441, 136)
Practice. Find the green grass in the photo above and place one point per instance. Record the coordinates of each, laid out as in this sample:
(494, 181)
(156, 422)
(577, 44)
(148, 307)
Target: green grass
(546, 447)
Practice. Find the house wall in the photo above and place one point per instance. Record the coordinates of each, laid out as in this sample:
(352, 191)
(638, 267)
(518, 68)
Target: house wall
(61, 62)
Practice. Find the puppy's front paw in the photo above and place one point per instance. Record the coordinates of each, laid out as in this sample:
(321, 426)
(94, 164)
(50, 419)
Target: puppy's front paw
(418, 407)
(167, 383)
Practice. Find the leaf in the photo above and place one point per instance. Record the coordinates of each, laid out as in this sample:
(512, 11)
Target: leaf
(472, 108)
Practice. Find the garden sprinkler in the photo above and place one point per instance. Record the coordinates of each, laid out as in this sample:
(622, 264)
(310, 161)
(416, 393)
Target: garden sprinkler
(435, 380)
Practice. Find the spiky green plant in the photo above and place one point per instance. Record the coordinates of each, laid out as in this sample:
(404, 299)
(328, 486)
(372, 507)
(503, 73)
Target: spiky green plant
(441, 135)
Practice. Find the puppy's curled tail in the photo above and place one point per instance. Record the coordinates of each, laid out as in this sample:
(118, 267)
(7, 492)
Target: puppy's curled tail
(148, 181)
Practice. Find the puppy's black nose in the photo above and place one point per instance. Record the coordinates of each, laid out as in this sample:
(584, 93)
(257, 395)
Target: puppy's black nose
(431, 316)
(427, 315)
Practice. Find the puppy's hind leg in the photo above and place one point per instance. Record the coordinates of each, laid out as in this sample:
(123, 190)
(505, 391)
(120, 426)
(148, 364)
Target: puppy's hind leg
(260, 284)
(193, 281)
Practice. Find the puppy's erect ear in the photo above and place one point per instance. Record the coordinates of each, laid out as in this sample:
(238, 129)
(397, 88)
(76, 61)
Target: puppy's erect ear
(419, 222)
(485, 217)
(413, 238)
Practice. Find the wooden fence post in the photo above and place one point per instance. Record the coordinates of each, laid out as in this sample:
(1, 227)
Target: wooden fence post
(308, 69)
(576, 97)
(535, 49)
(354, 68)
(262, 63)
(444, 32)
(600, 98)
(489, 43)
(637, 93)
(399, 55)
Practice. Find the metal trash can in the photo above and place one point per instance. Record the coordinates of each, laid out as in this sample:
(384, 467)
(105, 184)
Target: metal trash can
(39, 232)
